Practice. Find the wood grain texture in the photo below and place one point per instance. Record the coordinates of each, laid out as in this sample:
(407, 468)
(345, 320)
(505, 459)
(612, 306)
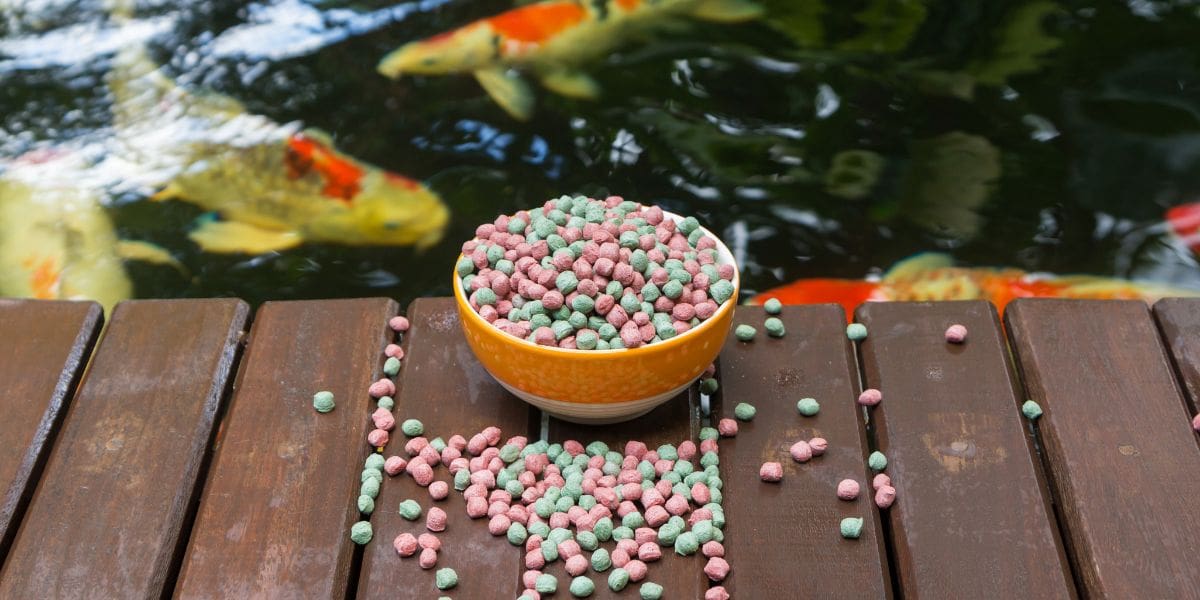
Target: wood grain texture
(1122, 456)
(1179, 321)
(46, 345)
(671, 423)
(442, 384)
(783, 539)
(277, 507)
(951, 427)
(113, 501)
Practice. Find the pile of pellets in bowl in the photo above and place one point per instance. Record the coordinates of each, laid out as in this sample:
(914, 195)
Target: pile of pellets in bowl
(588, 274)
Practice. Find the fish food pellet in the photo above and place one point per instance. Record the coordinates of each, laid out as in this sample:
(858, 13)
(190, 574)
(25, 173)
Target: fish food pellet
(546, 584)
(445, 578)
(391, 366)
(880, 480)
(847, 489)
(818, 445)
(618, 579)
(745, 333)
(405, 544)
(375, 461)
(717, 569)
(870, 397)
(398, 324)
(773, 306)
(709, 386)
(856, 331)
(386, 402)
(808, 407)
(1196, 422)
(410, 510)
(877, 461)
(801, 451)
(435, 520)
(885, 496)
(360, 533)
(650, 591)
(716, 593)
(774, 327)
(323, 402)
(366, 504)
(770, 472)
(727, 427)
(956, 334)
(582, 587)
(744, 411)
(1032, 410)
(412, 427)
(851, 527)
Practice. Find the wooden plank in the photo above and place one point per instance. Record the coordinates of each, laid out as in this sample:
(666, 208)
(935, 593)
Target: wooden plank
(784, 537)
(276, 513)
(951, 427)
(1122, 456)
(442, 384)
(671, 423)
(46, 345)
(1179, 322)
(119, 486)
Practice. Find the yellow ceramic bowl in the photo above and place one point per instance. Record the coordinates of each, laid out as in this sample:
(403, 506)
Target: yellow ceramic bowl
(599, 386)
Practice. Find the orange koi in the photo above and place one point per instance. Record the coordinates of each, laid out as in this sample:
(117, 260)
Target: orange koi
(1184, 221)
(929, 277)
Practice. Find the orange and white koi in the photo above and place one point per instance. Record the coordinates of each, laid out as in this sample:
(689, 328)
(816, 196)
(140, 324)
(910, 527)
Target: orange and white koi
(931, 276)
(550, 39)
(274, 185)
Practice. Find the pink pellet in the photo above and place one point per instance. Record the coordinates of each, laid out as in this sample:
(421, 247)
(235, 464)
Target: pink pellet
(818, 445)
(458, 442)
(801, 451)
(534, 559)
(956, 334)
(559, 520)
(1196, 422)
(394, 465)
(885, 496)
(430, 541)
(394, 351)
(770, 472)
(529, 577)
(700, 514)
(498, 525)
(847, 489)
(439, 490)
(492, 435)
(532, 594)
(700, 493)
(428, 559)
(383, 419)
(569, 548)
(687, 450)
(576, 565)
(422, 473)
(870, 397)
(430, 456)
(707, 446)
(415, 445)
(477, 507)
(405, 544)
(649, 552)
(533, 542)
(381, 388)
(620, 557)
(378, 438)
(716, 593)
(435, 520)
(628, 545)
(636, 569)
(478, 441)
(645, 535)
(727, 427)
(399, 324)
(880, 480)
(713, 548)
(677, 505)
(716, 569)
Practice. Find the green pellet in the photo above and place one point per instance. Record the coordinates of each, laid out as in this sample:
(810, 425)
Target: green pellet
(651, 591)
(412, 427)
(559, 535)
(366, 504)
(687, 544)
(386, 402)
(618, 579)
(545, 584)
(650, 292)
(369, 473)
(877, 461)
(774, 327)
(672, 289)
(587, 540)
(709, 386)
(509, 453)
(708, 433)
(485, 297)
(549, 550)
(596, 449)
(462, 479)
(856, 332)
(391, 366)
(586, 340)
(622, 533)
(851, 527)
(582, 587)
(517, 534)
(438, 444)
(773, 306)
(540, 528)
(667, 534)
(370, 487)
(745, 332)
(566, 282)
(721, 291)
(601, 560)
(323, 401)
(374, 461)
(360, 533)
(1032, 410)
(808, 407)
(514, 488)
(603, 529)
(410, 510)
(446, 578)
(703, 530)
(744, 411)
(464, 267)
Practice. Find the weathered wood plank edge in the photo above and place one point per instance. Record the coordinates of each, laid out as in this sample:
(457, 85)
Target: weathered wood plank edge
(13, 509)
(1190, 386)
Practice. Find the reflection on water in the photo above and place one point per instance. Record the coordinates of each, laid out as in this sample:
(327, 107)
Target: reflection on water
(824, 140)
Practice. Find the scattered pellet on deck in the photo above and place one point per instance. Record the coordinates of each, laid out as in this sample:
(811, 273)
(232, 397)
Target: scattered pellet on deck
(430, 542)
(412, 427)
(366, 504)
(445, 578)
(870, 397)
(391, 366)
(770, 472)
(405, 544)
(818, 445)
(398, 324)
(851, 527)
(394, 351)
(377, 438)
(885, 496)
(880, 480)
(323, 401)
(428, 558)
(650, 591)
(774, 327)
(716, 593)
(618, 579)
(745, 332)
(435, 519)
(370, 487)
(877, 461)
(394, 465)
(717, 569)
(637, 570)
(1032, 410)
(410, 510)
(546, 584)
(439, 490)
(956, 334)
(381, 388)
(744, 411)
(773, 306)
(383, 419)
(360, 532)
(709, 386)
(856, 332)
(582, 587)
(801, 451)
(1196, 422)
(808, 407)
(847, 489)
(727, 427)
(386, 402)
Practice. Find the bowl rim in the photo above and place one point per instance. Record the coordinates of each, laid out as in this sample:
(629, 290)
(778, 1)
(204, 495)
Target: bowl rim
(722, 250)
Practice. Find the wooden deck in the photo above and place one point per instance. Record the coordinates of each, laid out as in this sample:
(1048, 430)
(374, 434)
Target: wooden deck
(179, 455)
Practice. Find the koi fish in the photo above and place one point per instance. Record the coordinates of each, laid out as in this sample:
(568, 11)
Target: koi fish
(1184, 222)
(275, 186)
(550, 39)
(933, 276)
(57, 241)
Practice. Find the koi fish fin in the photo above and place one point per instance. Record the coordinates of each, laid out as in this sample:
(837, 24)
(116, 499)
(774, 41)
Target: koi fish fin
(171, 192)
(915, 265)
(508, 90)
(572, 84)
(227, 237)
(147, 252)
(727, 11)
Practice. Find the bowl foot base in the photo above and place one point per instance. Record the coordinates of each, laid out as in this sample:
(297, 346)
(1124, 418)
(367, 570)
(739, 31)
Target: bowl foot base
(598, 413)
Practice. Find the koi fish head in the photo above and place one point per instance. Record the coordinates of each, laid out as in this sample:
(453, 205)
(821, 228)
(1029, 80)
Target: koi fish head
(394, 210)
(465, 49)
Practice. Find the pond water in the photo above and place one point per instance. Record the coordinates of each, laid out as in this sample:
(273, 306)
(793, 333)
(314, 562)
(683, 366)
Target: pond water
(826, 139)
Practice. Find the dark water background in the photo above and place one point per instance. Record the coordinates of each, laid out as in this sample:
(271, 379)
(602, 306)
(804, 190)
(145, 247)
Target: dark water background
(830, 139)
